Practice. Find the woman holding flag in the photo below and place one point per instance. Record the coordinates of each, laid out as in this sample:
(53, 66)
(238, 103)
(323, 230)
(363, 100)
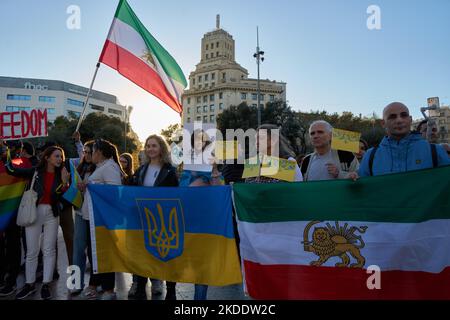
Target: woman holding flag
(156, 172)
(108, 171)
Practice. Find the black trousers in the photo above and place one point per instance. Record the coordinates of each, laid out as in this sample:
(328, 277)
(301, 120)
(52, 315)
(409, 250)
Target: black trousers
(142, 282)
(10, 253)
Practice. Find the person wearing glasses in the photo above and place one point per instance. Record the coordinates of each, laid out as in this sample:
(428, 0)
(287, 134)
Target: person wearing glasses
(81, 229)
(108, 171)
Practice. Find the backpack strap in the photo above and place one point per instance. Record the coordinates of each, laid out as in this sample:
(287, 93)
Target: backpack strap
(304, 165)
(434, 155)
(372, 155)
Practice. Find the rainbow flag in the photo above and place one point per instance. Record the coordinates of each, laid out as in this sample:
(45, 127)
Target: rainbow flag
(11, 191)
(73, 194)
(175, 234)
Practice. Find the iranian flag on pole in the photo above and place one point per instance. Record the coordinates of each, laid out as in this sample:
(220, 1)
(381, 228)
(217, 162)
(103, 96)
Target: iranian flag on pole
(327, 239)
(138, 56)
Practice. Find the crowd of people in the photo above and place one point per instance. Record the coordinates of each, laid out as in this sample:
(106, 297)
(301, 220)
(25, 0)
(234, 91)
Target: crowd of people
(48, 173)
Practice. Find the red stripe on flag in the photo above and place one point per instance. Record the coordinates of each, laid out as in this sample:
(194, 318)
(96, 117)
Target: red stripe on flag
(138, 72)
(327, 283)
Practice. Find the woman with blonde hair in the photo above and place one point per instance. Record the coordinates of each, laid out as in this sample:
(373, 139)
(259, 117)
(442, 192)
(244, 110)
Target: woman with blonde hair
(157, 171)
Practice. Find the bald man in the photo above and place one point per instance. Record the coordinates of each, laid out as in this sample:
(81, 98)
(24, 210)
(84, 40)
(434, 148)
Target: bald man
(401, 150)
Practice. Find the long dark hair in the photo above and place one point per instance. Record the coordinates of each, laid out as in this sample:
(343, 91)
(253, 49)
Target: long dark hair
(108, 150)
(83, 166)
(129, 158)
(42, 165)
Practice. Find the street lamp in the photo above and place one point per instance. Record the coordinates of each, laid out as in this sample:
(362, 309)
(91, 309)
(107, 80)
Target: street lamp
(259, 55)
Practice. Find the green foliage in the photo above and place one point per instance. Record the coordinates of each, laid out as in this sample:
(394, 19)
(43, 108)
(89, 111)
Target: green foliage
(95, 125)
(295, 124)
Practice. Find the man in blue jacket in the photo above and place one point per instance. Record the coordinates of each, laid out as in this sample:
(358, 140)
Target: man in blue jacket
(401, 150)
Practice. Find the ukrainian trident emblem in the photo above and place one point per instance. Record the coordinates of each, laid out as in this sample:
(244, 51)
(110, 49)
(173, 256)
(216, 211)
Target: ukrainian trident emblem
(163, 227)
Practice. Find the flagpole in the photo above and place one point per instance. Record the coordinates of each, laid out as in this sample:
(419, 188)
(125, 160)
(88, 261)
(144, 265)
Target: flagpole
(87, 98)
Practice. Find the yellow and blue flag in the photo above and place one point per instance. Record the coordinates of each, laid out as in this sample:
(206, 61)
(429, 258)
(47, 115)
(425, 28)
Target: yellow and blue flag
(73, 194)
(176, 234)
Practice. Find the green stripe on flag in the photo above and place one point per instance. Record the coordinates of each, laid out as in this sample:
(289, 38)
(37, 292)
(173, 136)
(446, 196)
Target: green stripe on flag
(168, 63)
(10, 205)
(405, 197)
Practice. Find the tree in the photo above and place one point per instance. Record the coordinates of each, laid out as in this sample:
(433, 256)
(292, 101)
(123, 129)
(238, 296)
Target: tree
(94, 126)
(170, 133)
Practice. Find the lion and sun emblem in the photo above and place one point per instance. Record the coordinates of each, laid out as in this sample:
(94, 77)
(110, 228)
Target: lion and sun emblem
(337, 241)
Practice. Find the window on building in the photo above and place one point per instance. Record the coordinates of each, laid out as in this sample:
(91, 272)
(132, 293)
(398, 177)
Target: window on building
(74, 102)
(199, 86)
(205, 119)
(243, 96)
(199, 79)
(224, 75)
(51, 110)
(205, 108)
(189, 100)
(207, 46)
(217, 53)
(213, 84)
(271, 97)
(220, 106)
(193, 81)
(199, 109)
(206, 77)
(211, 118)
(254, 105)
(211, 108)
(261, 105)
(47, 99)
(212, 54)
(75, 113)
(205, 98)
(18, 97)
(262, 97)
(99, 108)
(189, 110)
(254, 96)
(199, 118)
(14, 108)
(211, 97)
(213, 76)
(188, 120)
(199, 99)
(114, 111)
(207, 56)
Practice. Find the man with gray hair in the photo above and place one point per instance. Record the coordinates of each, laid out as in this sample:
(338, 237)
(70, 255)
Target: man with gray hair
(325, 163)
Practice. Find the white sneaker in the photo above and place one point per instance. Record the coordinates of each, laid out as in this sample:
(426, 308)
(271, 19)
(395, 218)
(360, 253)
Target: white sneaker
(156, 286)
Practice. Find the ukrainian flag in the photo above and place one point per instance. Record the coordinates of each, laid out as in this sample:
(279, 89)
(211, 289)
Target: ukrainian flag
(73, 194)
(180, 234)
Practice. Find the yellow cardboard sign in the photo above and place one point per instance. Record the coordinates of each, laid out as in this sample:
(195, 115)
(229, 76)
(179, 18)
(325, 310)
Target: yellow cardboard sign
(277, 168)
(251, 168)
(345, 140)
(226, 150)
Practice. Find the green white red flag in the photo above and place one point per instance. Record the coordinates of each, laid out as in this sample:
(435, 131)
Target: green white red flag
(138, 56)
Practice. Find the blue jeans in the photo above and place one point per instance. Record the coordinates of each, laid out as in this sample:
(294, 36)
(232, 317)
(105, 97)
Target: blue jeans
(80, 244)
(201, 291)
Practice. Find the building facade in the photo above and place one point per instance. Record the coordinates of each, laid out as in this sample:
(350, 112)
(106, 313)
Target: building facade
(218, 81)
(442, 120)
(58, 97)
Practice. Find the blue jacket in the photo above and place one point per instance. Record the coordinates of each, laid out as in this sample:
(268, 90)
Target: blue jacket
(408, 154)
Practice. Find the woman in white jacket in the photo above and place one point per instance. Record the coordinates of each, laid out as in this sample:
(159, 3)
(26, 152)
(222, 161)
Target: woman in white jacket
(108, 171)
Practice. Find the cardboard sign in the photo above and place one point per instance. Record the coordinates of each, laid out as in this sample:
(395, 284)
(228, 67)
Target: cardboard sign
(226, 150)
(345, 140)
(251, 168)
(277, 168)
(23, 124)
